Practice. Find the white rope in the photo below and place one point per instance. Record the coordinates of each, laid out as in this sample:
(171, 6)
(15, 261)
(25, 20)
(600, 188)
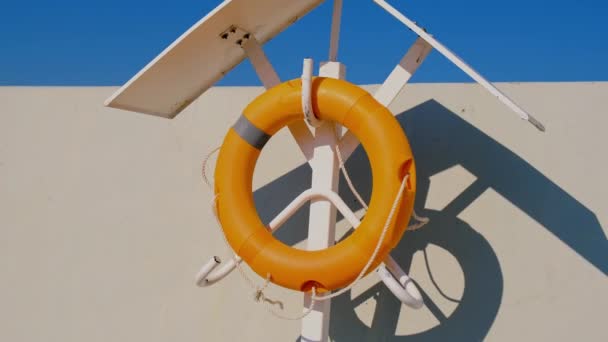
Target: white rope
(378, 245)
(347, 177)
(422, 221)
(298, 317)
(258, 294)
(219, 224)
(312, 120)
(204, 168)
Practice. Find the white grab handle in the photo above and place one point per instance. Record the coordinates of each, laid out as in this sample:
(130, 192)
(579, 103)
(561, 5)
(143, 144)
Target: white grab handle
(205, 278)
(404, 289)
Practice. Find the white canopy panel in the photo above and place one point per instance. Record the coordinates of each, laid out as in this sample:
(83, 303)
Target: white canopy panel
(201, 57)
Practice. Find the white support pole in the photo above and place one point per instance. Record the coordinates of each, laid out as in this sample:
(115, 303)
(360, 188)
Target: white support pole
(322, 219)
(392, 86)
(461, 64)
(269, 79)
(334, 40)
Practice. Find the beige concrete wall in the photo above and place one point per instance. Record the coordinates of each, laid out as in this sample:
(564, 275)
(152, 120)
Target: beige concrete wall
(104, 220)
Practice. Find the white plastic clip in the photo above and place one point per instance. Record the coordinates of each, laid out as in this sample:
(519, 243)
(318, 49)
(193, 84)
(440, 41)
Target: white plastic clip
(309, 115)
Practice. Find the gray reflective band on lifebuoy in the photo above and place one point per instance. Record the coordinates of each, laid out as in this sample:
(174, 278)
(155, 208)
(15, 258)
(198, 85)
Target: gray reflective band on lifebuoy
(251, 134)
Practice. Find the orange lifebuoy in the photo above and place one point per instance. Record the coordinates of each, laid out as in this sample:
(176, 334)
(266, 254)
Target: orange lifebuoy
(391, 160)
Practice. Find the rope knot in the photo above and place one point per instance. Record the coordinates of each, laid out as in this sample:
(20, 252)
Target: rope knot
(258, 295)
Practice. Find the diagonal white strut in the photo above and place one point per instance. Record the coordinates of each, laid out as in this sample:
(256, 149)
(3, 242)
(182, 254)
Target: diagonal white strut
(461, 64)
(391, 87)
(334, 37)
(269, 79)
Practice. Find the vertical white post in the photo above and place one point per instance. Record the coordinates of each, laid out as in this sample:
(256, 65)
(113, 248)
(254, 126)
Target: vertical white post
(334, 39)
(322, 221)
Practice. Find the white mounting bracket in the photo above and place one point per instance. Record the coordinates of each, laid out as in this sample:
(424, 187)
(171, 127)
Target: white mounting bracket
(398, 282)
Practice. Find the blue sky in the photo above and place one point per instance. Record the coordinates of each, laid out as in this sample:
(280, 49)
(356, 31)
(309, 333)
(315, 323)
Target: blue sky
(68, 42)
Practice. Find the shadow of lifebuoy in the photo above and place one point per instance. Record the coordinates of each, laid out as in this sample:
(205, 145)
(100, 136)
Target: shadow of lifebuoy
(476, 311)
